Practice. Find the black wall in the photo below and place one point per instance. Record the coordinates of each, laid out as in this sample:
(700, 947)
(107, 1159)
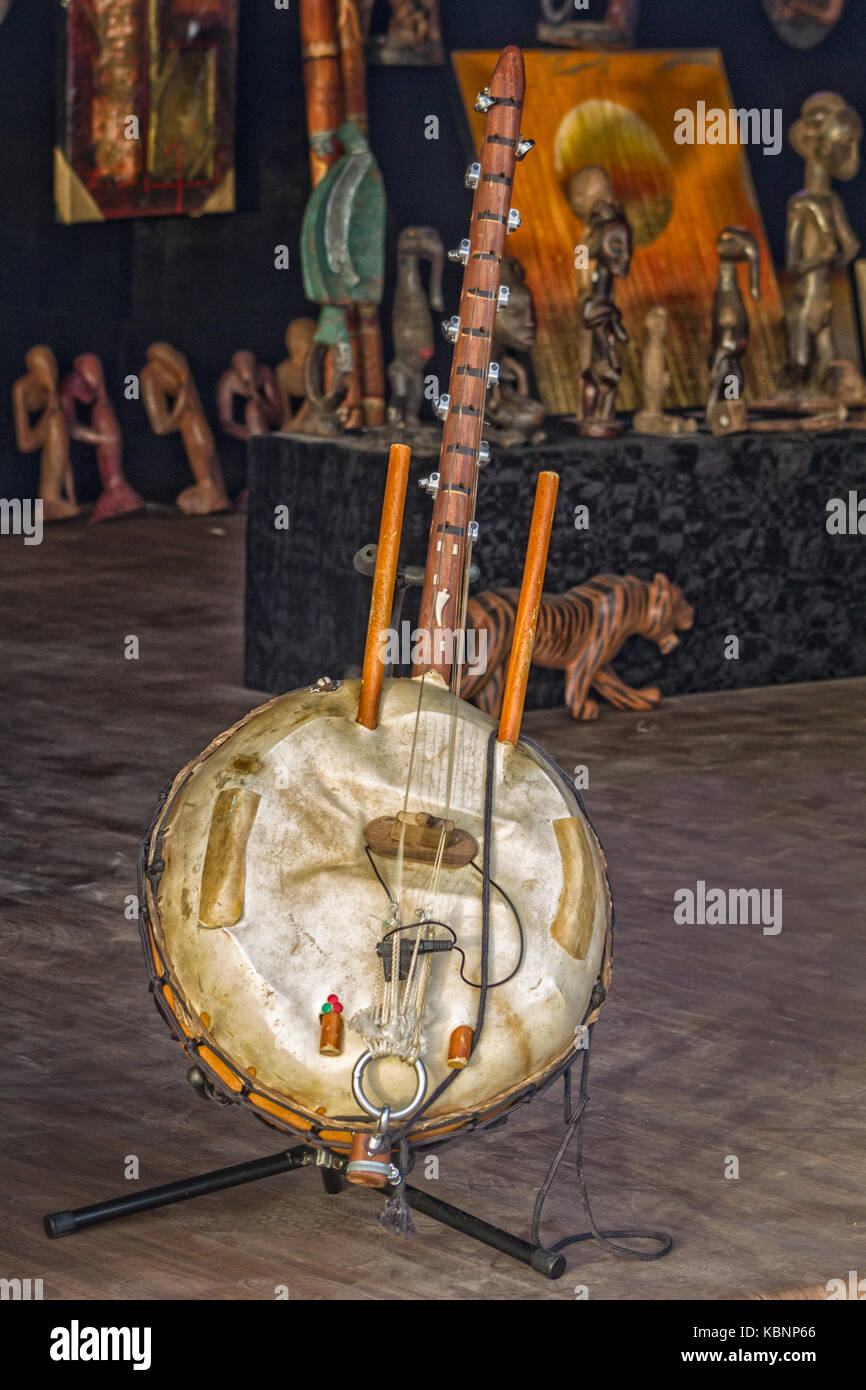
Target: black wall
(210, 286)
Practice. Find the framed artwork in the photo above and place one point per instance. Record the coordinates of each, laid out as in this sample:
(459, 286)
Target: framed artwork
(619, 110)
(146, 109)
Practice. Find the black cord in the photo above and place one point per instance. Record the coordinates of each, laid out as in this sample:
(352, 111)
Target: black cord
(431, 922)
(574, 1120)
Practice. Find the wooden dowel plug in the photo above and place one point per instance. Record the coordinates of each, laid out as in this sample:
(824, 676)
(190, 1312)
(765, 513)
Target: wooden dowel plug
(384, 580)
(460, 1047)
(527, 608)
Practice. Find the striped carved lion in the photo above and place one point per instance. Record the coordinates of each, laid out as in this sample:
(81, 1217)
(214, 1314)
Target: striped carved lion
(579, 632)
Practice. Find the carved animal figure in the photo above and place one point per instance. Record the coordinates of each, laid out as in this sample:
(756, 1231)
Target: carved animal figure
(580, 632)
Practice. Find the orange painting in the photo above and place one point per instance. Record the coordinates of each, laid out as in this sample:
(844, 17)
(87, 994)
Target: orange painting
(618, 110)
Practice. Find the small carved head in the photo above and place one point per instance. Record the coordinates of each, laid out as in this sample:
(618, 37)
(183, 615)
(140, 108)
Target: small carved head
(515, 325)
(828, 130)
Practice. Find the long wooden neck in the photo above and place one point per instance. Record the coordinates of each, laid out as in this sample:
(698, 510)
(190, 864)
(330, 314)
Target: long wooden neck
(450, 546)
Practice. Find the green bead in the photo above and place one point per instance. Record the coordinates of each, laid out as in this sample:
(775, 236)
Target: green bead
(326, 1008)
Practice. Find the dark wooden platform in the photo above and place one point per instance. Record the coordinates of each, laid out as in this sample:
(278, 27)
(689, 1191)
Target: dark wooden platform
(716, 1041)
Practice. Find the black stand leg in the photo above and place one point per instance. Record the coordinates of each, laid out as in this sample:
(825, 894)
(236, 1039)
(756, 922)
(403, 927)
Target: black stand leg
(65, 1223)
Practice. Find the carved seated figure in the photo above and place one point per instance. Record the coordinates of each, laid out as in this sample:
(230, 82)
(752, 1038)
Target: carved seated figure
(37, 393)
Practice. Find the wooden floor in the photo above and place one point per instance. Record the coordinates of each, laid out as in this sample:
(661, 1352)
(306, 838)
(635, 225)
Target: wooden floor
(716, 1041)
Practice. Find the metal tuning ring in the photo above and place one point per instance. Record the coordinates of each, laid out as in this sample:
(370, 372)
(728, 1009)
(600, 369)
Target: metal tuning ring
(462, 252)
(472, 175)
(484, 101)
(441, 404)
(502, 297)
(375, 1111)
(524, 145)
(513, 221)
(451, 328)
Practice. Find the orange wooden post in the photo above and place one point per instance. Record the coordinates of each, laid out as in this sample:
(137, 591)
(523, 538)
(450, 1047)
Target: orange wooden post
(384, 580)
(527, 607)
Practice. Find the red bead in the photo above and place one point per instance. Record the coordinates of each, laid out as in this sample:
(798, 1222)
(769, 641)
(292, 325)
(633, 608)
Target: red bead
(333, 998)
(338, 1008)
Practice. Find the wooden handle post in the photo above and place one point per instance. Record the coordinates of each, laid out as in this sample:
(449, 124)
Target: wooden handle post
(527, 608)
(384, 580)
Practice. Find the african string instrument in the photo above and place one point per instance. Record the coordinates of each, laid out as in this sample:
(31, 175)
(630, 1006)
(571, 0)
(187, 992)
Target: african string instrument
(373, 916)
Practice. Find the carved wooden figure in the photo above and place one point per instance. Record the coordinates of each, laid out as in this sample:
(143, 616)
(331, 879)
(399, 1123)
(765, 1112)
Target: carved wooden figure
(256, 385)
(512, 416)
(610, 245)
(414, 37)
(586, 187)
(656, 379)
(290, 372)
(37, 393)
(819, 237)
(560, 24)
(85, 385)
(803, 23)
(411, 323)
(172, 403)
(580, 632)
(726, 410)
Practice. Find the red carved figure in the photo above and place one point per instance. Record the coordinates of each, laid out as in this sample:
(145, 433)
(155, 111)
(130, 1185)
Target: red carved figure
(85, 385)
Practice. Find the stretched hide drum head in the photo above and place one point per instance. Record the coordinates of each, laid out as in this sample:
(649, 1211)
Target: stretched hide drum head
(260, 902)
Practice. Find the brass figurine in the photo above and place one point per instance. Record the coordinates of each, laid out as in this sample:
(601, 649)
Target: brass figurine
(726, 410)
(411, 323)
(819, 238)
(172, 403)
(656, 379)
(37, 393)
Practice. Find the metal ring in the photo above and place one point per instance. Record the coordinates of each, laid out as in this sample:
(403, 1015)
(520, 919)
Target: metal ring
(375, 1110)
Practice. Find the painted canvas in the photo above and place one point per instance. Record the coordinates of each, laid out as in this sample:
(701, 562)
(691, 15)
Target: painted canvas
(619, 110)
(147, 109)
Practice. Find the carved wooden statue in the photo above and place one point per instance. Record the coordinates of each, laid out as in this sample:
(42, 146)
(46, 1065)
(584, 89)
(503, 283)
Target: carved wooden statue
(726, 410)
(85, 385)
(172, 403)
(414, 37)
(560, 24)
(819, 237)
(610, 246)
(512, 416)
(803, 23)
(36, 393)
(411, 323)
(586, 187)
(256, 385)
(580, 632)
(290, 372)
(656, 379)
